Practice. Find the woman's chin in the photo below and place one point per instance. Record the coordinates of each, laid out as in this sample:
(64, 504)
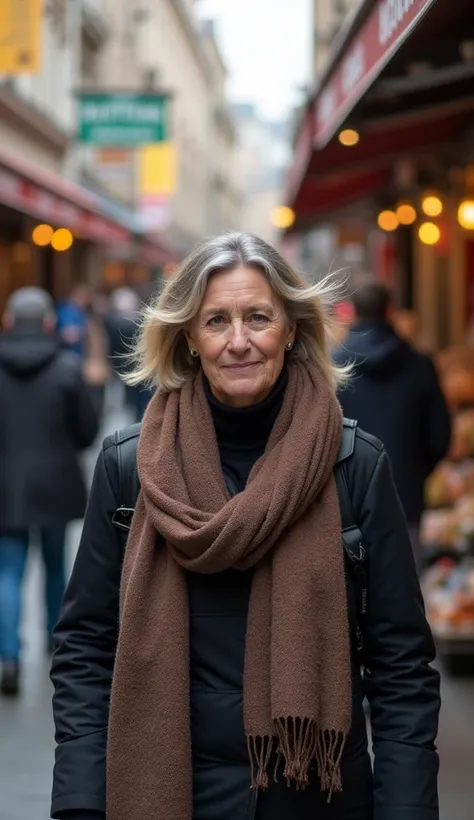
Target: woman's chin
(244, 393)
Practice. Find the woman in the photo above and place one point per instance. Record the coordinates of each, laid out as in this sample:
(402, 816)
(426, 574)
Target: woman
(226, 642)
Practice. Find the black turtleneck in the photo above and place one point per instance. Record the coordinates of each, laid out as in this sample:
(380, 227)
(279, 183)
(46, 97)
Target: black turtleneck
(242, 432)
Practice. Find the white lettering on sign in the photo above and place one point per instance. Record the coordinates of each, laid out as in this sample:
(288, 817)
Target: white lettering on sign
(69, 214)
(44, 202)
(9, 185)
(328, 104)
(353, 68)
(391, 15)
(122, 111)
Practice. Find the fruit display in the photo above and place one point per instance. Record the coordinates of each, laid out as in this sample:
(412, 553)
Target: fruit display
(439, 528)
(450, 482)
(447, 526)
(450, 528)
(456, 370)
(449, 598)
(462, 445)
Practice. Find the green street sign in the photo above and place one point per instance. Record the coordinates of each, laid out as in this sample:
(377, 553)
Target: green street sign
(122, 118)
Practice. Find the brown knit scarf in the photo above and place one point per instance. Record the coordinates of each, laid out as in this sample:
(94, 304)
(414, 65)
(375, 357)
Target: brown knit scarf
(286, 524)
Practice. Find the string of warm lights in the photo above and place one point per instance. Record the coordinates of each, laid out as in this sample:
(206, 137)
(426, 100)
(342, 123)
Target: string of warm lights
(282, 217)
(405, 213)
(60, 239)
(429, 233)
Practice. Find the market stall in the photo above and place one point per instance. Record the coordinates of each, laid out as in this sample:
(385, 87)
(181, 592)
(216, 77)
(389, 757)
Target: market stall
(447, 531)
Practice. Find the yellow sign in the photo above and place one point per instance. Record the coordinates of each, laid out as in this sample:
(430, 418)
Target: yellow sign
(20, 36)
(157, 169)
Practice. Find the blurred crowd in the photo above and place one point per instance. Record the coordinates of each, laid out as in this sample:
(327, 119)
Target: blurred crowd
(99, 328)
(60, 370)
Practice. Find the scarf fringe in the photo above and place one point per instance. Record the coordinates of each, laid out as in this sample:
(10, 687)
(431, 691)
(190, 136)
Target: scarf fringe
(298, 742)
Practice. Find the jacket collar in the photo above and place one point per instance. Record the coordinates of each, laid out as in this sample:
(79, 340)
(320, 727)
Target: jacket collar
(348, 440)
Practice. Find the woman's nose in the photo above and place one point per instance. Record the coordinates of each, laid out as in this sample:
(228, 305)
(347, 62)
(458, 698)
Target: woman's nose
(238, 341)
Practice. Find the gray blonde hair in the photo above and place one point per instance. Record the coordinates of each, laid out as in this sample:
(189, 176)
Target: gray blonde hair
(161, 354)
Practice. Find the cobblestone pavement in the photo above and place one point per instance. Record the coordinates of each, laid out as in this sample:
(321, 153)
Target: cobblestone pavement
(26, 728)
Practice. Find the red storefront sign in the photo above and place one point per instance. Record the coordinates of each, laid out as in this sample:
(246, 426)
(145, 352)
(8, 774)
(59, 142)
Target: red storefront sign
(302, 154)
(26, 196)
(389, 24)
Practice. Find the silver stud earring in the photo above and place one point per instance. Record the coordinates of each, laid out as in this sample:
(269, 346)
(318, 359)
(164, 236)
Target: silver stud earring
(289, 346)
(193, 352)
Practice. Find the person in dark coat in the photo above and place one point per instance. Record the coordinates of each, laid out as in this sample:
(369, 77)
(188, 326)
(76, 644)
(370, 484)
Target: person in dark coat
(122, 322)
(46, 418)
(169, 622)
(394, 393)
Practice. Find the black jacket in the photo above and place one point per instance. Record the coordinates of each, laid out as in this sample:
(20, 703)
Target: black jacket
(394, 394)
(402, 687)
(121, 331)
(46, 417)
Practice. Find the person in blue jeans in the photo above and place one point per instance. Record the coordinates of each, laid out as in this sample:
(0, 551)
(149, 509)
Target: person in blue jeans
(47, 417)
(72, 318)
(13, 559)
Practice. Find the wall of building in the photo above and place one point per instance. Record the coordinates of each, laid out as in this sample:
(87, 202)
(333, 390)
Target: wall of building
(22, 142)
(261, 158)
(170, 46)
(225, 193)
(163, 46)
(126, 44)
(37, 110)
(328, 17)
(118, 64)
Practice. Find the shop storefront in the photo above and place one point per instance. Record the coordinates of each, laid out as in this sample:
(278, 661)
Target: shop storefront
(385, 151)
(54, 233)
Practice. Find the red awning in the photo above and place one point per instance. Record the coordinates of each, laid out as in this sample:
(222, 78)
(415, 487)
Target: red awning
(45, 196)
(368, 84)
(388, 25)
(335, 177)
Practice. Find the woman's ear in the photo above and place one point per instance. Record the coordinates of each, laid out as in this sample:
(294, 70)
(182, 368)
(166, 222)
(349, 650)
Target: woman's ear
(291, 332)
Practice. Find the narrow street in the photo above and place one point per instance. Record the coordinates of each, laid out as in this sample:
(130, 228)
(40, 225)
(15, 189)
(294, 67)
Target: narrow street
(26, 748)
(26, 725)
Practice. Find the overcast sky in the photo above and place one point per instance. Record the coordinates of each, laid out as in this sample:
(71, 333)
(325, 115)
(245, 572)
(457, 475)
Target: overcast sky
(266, 45)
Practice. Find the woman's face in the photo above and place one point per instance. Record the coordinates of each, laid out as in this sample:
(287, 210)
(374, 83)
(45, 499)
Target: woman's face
(240, 332)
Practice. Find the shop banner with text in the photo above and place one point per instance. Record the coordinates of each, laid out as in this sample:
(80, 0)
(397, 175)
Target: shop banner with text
(389, 24)
(156, 185)
(20, 36)
(122, 118)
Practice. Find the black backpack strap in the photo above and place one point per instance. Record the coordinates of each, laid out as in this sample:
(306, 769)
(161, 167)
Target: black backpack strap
(351, 534)
(126, 442)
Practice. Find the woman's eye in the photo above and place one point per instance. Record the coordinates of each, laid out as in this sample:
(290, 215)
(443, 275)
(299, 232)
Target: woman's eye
(259, 318)
(216, 321)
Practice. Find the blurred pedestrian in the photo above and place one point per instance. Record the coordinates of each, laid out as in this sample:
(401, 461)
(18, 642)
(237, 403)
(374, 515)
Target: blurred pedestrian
(208, 666)
(46, 417)
(72, 318)
(97, 368)
(122, 324)
(395, 394)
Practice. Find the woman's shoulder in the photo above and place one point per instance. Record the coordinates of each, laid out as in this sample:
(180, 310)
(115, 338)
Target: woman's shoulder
(360, 453)
(359, 446)
(119, 452)
(121, 437)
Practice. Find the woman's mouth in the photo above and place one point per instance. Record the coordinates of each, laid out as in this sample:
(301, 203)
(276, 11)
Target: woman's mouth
(241, 366)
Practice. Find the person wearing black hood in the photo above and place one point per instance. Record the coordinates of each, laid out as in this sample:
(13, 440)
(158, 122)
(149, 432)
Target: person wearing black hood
(395, 395)
(46, 418)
